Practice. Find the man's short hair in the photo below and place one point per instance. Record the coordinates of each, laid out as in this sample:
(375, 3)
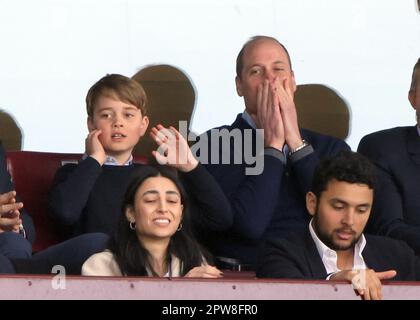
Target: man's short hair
(120, 87)
(416, 75)
(239, 58)
(346, 166)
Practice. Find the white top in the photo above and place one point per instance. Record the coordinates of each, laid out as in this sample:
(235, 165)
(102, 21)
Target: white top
(104, 264)
(329, 256)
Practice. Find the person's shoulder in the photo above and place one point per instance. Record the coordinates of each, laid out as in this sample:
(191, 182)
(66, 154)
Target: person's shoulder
(67, 168)
(389, 134)
(312, 135)
(386, 244)
(378, 144)
(321, 141)
(101, 264)
(239, 123)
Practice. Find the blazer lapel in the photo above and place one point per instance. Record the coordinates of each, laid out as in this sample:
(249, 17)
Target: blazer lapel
(315, 263)
(370, 257)
(413, 145)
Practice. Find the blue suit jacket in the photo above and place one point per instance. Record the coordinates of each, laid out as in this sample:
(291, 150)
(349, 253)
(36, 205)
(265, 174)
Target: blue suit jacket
(396, 211)
(297, 257)
(269, 204)
(6, 185)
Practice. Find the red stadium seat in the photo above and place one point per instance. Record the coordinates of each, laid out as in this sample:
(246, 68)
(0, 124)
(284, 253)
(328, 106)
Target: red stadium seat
(33, 173)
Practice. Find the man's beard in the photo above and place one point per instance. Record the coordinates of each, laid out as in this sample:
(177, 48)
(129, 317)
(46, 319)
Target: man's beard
(328, 239)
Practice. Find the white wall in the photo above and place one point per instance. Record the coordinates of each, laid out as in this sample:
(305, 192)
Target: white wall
(52, 51)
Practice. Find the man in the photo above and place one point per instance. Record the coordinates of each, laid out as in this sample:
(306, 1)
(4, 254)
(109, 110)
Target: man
(396, 154)
(17, 231)
(334, 246)
(16, 227)
(272, 201)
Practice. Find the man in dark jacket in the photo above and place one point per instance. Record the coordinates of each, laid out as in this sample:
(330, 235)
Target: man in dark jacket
(396, 154)
(267, 196)
(333, 246)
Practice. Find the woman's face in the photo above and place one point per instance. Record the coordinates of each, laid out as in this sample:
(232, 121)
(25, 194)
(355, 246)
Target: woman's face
(157, 209)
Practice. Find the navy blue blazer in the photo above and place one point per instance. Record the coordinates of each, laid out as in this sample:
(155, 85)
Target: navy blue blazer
(269, 204)
(297, 257)
(396, 210)
(6, 185)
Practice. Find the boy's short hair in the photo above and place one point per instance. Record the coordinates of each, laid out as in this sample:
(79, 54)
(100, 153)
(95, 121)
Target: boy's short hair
(346, 166)
(416, 75)
(117, 86)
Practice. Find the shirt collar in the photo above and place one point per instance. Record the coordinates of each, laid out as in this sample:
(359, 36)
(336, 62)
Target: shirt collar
(248, 119)
(329, 256)
(111, 161)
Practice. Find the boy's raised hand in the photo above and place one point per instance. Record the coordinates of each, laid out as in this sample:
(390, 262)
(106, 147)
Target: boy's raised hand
(94, 147)
(173, 149)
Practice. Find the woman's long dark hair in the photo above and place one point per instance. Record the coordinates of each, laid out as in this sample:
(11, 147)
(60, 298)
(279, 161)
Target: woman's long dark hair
(131, 256)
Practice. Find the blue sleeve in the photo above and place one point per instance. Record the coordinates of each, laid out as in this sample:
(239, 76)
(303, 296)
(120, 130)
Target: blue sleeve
(71, 189)
(209, 206)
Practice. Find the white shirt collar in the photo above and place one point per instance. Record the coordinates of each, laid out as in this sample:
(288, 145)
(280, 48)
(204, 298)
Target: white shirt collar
(329, 256)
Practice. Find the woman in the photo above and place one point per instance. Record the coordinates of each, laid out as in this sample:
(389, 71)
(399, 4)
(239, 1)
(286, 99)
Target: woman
(153, 237)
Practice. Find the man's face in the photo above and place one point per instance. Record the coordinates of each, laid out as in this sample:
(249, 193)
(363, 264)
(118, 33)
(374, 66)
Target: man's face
(263, 59)
(414, 96)
(341, 213)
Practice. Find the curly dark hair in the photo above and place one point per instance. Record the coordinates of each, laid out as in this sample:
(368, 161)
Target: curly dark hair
(347, 166)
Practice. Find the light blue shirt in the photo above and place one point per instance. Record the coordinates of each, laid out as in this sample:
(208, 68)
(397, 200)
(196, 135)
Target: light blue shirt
(111, 161)
(248, 119)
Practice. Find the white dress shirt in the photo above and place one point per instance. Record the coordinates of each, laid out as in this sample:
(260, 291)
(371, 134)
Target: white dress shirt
(329, 256)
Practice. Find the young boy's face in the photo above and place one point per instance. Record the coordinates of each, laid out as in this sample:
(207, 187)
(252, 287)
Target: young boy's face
(121, 123)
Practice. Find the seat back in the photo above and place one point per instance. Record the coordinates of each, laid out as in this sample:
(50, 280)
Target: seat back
(322, 109)
(171, 98)
(32, 174)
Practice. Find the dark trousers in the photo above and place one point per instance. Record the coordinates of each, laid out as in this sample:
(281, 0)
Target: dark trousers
(5, 265)
(68, 255)
(14, 246)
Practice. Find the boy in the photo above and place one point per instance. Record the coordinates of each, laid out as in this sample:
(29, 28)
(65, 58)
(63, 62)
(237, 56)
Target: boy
(88, 196)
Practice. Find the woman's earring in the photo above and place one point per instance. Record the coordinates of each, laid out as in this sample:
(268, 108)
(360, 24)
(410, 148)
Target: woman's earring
(179, 227)
(132, 225)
